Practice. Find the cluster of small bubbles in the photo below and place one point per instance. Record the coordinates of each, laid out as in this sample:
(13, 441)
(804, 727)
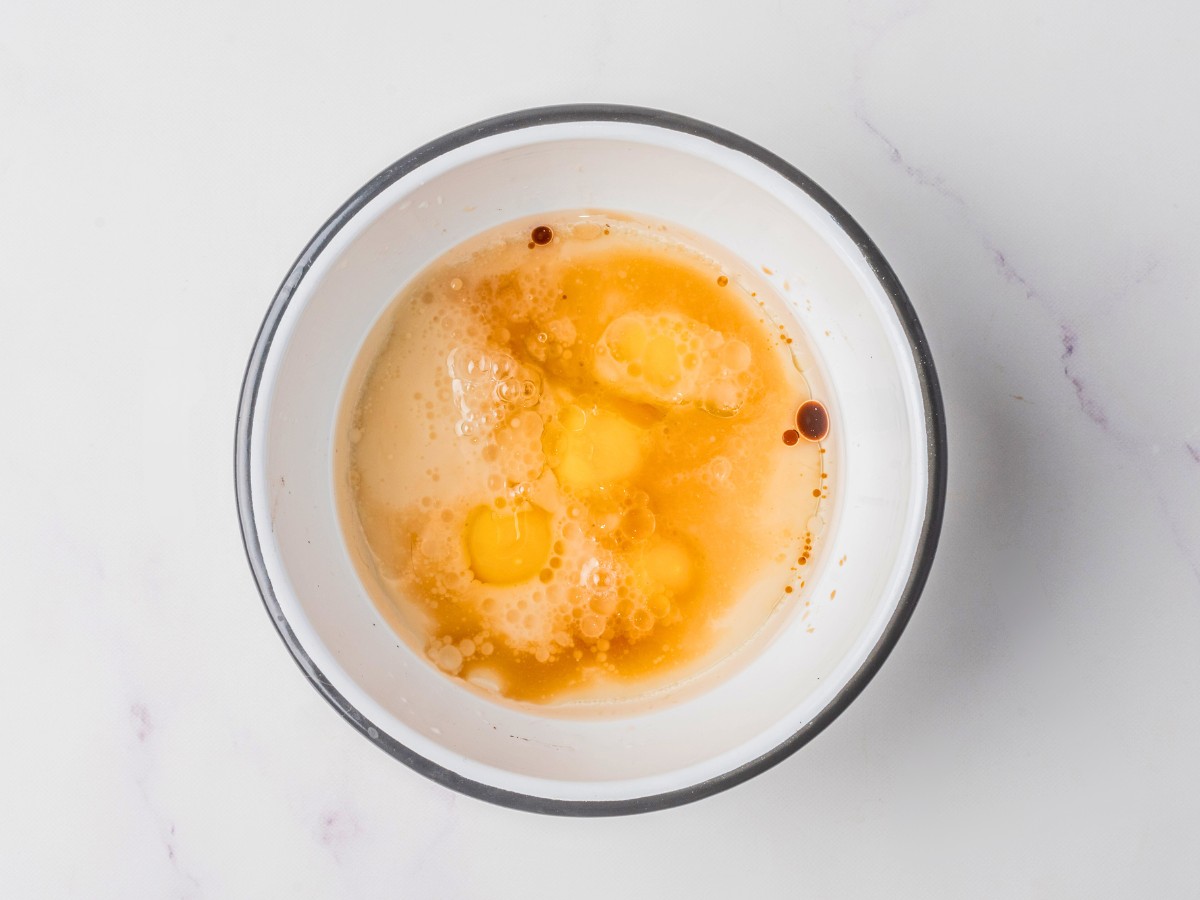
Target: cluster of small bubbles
(598, 577)
(522, 392)
(488, 386)
(672, 359)
(552, 340)
(719, 469)
(562, 330)
(587, 594)
(714, 474)
(518, 450)
(451, 654)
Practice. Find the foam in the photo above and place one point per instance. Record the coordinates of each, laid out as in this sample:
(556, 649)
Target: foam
(671, 359)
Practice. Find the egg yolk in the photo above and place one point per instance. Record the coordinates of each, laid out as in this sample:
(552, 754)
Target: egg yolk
(508, 546)
(595, 448)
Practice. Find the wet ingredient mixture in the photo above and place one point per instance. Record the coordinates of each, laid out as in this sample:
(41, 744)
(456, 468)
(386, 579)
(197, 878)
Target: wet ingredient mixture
(560, 461)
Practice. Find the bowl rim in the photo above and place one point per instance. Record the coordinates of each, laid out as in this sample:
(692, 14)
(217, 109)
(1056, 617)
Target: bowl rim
(931, 398)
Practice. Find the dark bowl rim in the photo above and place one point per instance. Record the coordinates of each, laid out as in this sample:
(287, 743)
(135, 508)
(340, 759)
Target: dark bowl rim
(934, 423)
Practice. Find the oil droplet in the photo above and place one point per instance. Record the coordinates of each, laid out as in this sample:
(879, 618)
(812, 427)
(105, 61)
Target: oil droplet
(813, 420)
(791, 437)
(542, 235)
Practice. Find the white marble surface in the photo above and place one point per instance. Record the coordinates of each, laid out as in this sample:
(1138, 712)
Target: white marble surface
(1030, 170)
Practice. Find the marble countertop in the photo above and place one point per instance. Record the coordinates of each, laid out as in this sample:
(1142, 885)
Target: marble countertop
(1028, 168)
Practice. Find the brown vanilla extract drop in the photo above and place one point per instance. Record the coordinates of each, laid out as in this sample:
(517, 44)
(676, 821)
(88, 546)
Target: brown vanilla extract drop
(542, 235)
(791, 436)
(813, 421)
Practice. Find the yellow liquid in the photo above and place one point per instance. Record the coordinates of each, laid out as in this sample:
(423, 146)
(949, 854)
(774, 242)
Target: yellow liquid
(561, 464)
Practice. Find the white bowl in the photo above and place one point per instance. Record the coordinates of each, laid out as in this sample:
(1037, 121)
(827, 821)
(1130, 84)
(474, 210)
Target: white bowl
(888, 456)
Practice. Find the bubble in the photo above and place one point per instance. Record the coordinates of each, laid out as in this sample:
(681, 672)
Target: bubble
(456, 284)
(591, 626)
(723, 400)
(607, 522)
(530, 392)
(605, 603)
(597, 576)
(508, 390)
(659, 605)
(638, 523)
(448, 658)
(563, 331)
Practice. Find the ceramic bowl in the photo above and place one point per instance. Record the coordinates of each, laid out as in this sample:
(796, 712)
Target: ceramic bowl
(887, 451)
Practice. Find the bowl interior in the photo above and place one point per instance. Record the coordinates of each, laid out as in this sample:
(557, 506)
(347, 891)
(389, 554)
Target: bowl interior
(878, 493)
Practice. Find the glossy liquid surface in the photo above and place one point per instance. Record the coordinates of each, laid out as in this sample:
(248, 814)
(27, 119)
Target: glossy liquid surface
(560, 461)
